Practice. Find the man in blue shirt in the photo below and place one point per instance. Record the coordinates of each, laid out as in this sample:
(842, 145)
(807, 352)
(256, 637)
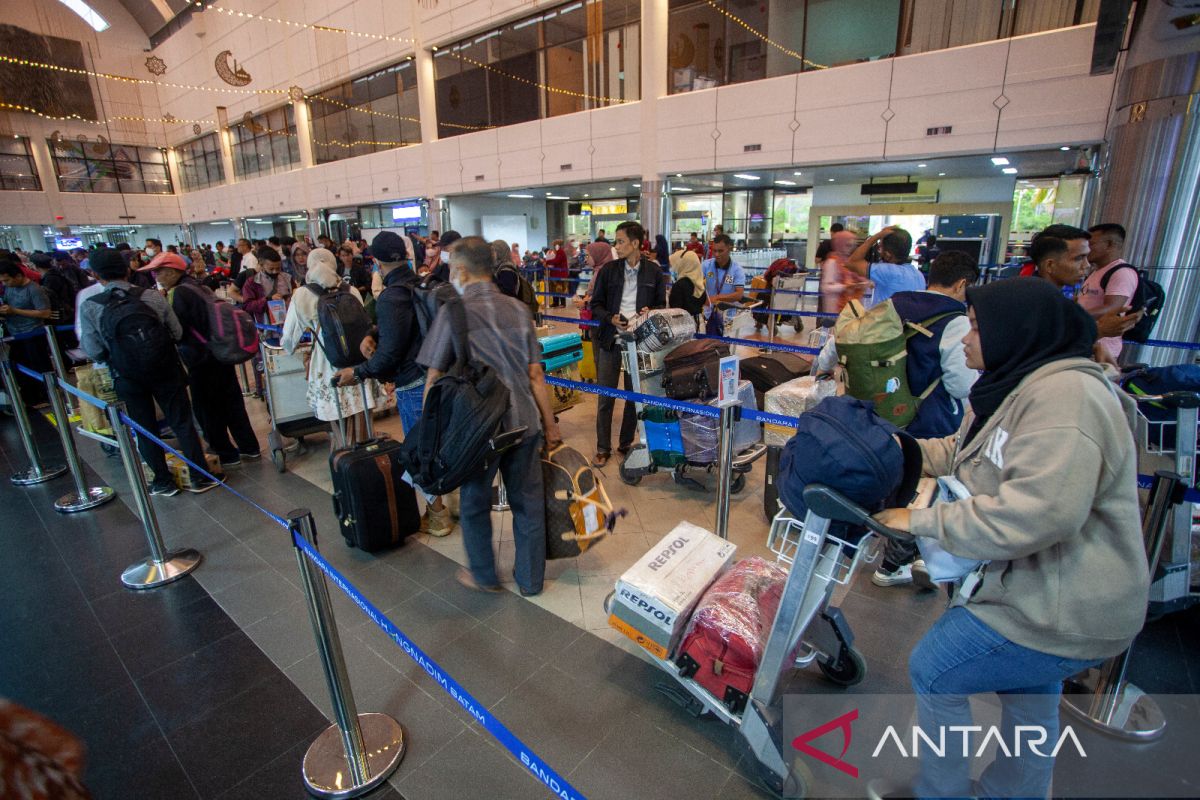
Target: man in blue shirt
(893, 272)
(723, 279)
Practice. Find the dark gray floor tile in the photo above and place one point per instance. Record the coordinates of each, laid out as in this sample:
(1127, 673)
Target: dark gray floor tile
(190, 687)
(427, 620)
(259, 597)
(64, 677)
(380, 584)
(533, 628)
(639, 760)
(487, 665)
(151, 771)
(282, 779)
(738, 788)
(285, 636)
(418, 562)
(236, 738)
(369, 674)
(480, 605)
(112, 725)
(125, 609)
(427, 726)
(153, 645)
(492, 774)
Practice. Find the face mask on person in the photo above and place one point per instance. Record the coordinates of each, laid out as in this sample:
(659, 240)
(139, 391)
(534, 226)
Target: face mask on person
(445, 257)
(151, 252)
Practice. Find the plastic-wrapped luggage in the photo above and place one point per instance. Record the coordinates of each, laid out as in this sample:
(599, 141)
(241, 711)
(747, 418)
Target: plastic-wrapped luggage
(791, 400)
(690, 370)
(726, 636)
(662, 328)
(701, 435)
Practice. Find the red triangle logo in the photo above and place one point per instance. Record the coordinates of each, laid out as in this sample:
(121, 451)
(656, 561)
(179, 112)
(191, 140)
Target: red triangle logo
(841, 723)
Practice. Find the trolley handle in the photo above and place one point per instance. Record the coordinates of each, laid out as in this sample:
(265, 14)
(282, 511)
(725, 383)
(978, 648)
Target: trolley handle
(1177, 399)
(831, 504)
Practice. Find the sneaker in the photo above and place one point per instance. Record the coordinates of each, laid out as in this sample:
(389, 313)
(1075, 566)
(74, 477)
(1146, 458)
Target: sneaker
(201, 485)
(898, 577)
(255, 456)
(164, 488)
(231, 461)
(465, 577)
(438, 523)
(920, 576)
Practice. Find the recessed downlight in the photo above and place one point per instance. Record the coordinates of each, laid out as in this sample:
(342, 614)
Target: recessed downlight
(1009, 170)
(1000, 161)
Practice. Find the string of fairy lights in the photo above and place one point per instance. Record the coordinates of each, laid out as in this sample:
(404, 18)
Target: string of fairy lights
(764, 38)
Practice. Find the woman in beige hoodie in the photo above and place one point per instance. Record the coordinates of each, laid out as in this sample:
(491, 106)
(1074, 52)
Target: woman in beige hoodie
(1048, 455)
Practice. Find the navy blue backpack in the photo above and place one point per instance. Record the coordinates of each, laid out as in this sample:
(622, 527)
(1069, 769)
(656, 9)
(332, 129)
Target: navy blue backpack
(843, 444)
(1160, 380)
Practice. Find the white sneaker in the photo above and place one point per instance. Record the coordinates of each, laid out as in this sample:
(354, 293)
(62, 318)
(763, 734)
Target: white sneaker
(901, 576)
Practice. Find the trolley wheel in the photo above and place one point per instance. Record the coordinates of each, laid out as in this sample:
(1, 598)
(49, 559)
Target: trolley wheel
(739, 482)
(279, 460)
(849, 669)
(627, 477)
(608, 601)
(792, 786)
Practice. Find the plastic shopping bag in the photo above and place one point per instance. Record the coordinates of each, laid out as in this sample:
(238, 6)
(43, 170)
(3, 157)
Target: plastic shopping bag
(944, 566)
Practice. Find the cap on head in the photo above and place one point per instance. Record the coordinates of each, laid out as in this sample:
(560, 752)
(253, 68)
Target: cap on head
(388, 247)
(167, 260)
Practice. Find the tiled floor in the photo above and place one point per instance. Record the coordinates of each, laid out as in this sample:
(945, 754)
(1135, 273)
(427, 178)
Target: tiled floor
(212, 687)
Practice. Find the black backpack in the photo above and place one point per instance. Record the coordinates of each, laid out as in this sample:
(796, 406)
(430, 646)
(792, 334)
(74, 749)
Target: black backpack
(463, 411)
(525, 291)
(139, 344)
(429, 295)
(342, 324)
(1149, 298)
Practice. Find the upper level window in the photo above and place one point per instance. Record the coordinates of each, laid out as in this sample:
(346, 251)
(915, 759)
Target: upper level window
(200, 162)
(575, 57)
(104, 167)
(266, 143)
(365, 115)
(17, 170)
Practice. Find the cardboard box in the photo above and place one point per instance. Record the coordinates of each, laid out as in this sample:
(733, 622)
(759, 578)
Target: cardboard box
(657, 594)
(181, 473)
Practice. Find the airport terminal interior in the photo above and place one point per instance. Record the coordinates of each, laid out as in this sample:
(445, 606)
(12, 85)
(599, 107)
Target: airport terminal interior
(828, 194)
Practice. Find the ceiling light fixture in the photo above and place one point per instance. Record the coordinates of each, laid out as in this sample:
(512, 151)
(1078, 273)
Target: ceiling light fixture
(636, 185)
(521, 196)
(678, 174)
(797, 173)
(680, 189)
(88, 14)
(785, 183)
(831, 180)
(1009, 170)
(612, 188)
(941, 174)
(587, 195)
(1000, 161)
(557, 197)
(1064, 147)
(922, 166)
(746, 176)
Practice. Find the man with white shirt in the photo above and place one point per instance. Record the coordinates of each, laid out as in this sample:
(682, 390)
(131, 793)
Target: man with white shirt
(1113, 281)
(938, 361)
(624, 287)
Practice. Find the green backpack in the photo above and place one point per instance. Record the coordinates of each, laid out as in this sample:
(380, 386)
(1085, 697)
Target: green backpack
(872, 347)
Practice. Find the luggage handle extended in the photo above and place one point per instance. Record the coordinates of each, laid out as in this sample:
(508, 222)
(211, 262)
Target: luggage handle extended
(341, 420)
(826, 502)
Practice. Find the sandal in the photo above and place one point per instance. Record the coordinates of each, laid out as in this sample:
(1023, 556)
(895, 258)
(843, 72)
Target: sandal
(600, 459)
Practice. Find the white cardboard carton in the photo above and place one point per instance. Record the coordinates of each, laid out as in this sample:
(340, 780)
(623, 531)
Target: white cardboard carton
(662, 588)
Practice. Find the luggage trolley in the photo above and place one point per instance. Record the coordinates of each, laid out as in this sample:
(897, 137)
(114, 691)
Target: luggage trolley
(1171, 442)
(660, 437)
(806, 629)
(285, 379)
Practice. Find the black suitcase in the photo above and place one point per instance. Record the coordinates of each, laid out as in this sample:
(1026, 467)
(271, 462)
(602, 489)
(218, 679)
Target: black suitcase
(771, 505)
(773, 369)
(691, 370)
(375, 507)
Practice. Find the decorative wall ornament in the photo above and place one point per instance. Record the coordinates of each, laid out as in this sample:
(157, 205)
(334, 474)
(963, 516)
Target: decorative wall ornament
(196, 129)
(234, 75)
(296, 93)
(155, 65)
(429, 5)
(169, 118)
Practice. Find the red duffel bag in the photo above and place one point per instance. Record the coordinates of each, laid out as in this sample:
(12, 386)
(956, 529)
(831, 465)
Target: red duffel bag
(726, 636)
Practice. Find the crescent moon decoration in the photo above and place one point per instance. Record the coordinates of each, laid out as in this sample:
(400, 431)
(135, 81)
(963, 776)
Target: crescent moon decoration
(249, 124)
(234, 75)
(682, 51)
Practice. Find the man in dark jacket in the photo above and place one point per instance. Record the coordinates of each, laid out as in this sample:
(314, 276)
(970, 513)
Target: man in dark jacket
(623, 288)
(391, 350)
(216, 394)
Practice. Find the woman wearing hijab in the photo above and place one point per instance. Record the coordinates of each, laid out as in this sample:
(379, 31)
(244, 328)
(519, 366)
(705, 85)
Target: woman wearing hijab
(301, 318)
(662, 251)
(688, 290)
(1048, 456)
(300, 252)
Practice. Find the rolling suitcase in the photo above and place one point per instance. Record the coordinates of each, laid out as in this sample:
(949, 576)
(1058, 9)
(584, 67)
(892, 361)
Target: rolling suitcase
(725, 638)
(376, 508)
(561, 351)
(702, 435)
(690, 370)
(773, 369)
(664, 327)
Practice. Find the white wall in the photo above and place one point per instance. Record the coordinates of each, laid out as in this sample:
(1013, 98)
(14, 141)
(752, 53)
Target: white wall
(465, 214)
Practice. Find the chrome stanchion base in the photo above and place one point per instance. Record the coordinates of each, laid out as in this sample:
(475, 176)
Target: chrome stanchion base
(96, 496)
(150, 573)
(326, 773)
(28, 477)
(1137, 716)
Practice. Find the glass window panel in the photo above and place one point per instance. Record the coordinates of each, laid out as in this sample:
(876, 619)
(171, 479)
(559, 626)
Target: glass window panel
(695, 55)
(849, 31)
(106, 185)
(133, 187)
(568, 24)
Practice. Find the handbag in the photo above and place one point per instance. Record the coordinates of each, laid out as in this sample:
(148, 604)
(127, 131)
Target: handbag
(944, 566)
(577, 507)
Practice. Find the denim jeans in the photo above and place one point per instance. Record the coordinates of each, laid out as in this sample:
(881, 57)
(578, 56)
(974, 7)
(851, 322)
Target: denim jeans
(521, 467)
(961, 656)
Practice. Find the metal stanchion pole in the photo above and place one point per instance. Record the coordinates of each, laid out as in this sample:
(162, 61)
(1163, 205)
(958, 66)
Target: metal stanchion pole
(84, 497)
(1101, 697)
(60, 366)
(161, 567)
(247, 390)
(36, 472)
(729, 414)
(501, 496)
(370, 746)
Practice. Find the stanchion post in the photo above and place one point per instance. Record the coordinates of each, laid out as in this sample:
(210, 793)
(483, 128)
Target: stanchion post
(161, 567)
(370, 746)
(729, 415)
(501, 503)
(1102, 697)
(247, 391)
(60, 366)
(84, 497)
(36, 473)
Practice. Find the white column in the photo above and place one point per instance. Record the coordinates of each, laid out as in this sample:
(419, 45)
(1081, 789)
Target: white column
(653, 86)
(44, 163)
(173, 170)
(304, 132)
(224, 138)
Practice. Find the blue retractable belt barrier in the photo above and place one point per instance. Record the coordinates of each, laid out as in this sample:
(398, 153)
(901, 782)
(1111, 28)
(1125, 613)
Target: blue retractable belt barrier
(786, 348)
(84, 396)
(587, 323)
(784, 313)
(553, 294)
(33, 334)
(539, 768)
(787, 291)
(27, 371)
(649, 399)
(202, 469)
(1174, 345)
